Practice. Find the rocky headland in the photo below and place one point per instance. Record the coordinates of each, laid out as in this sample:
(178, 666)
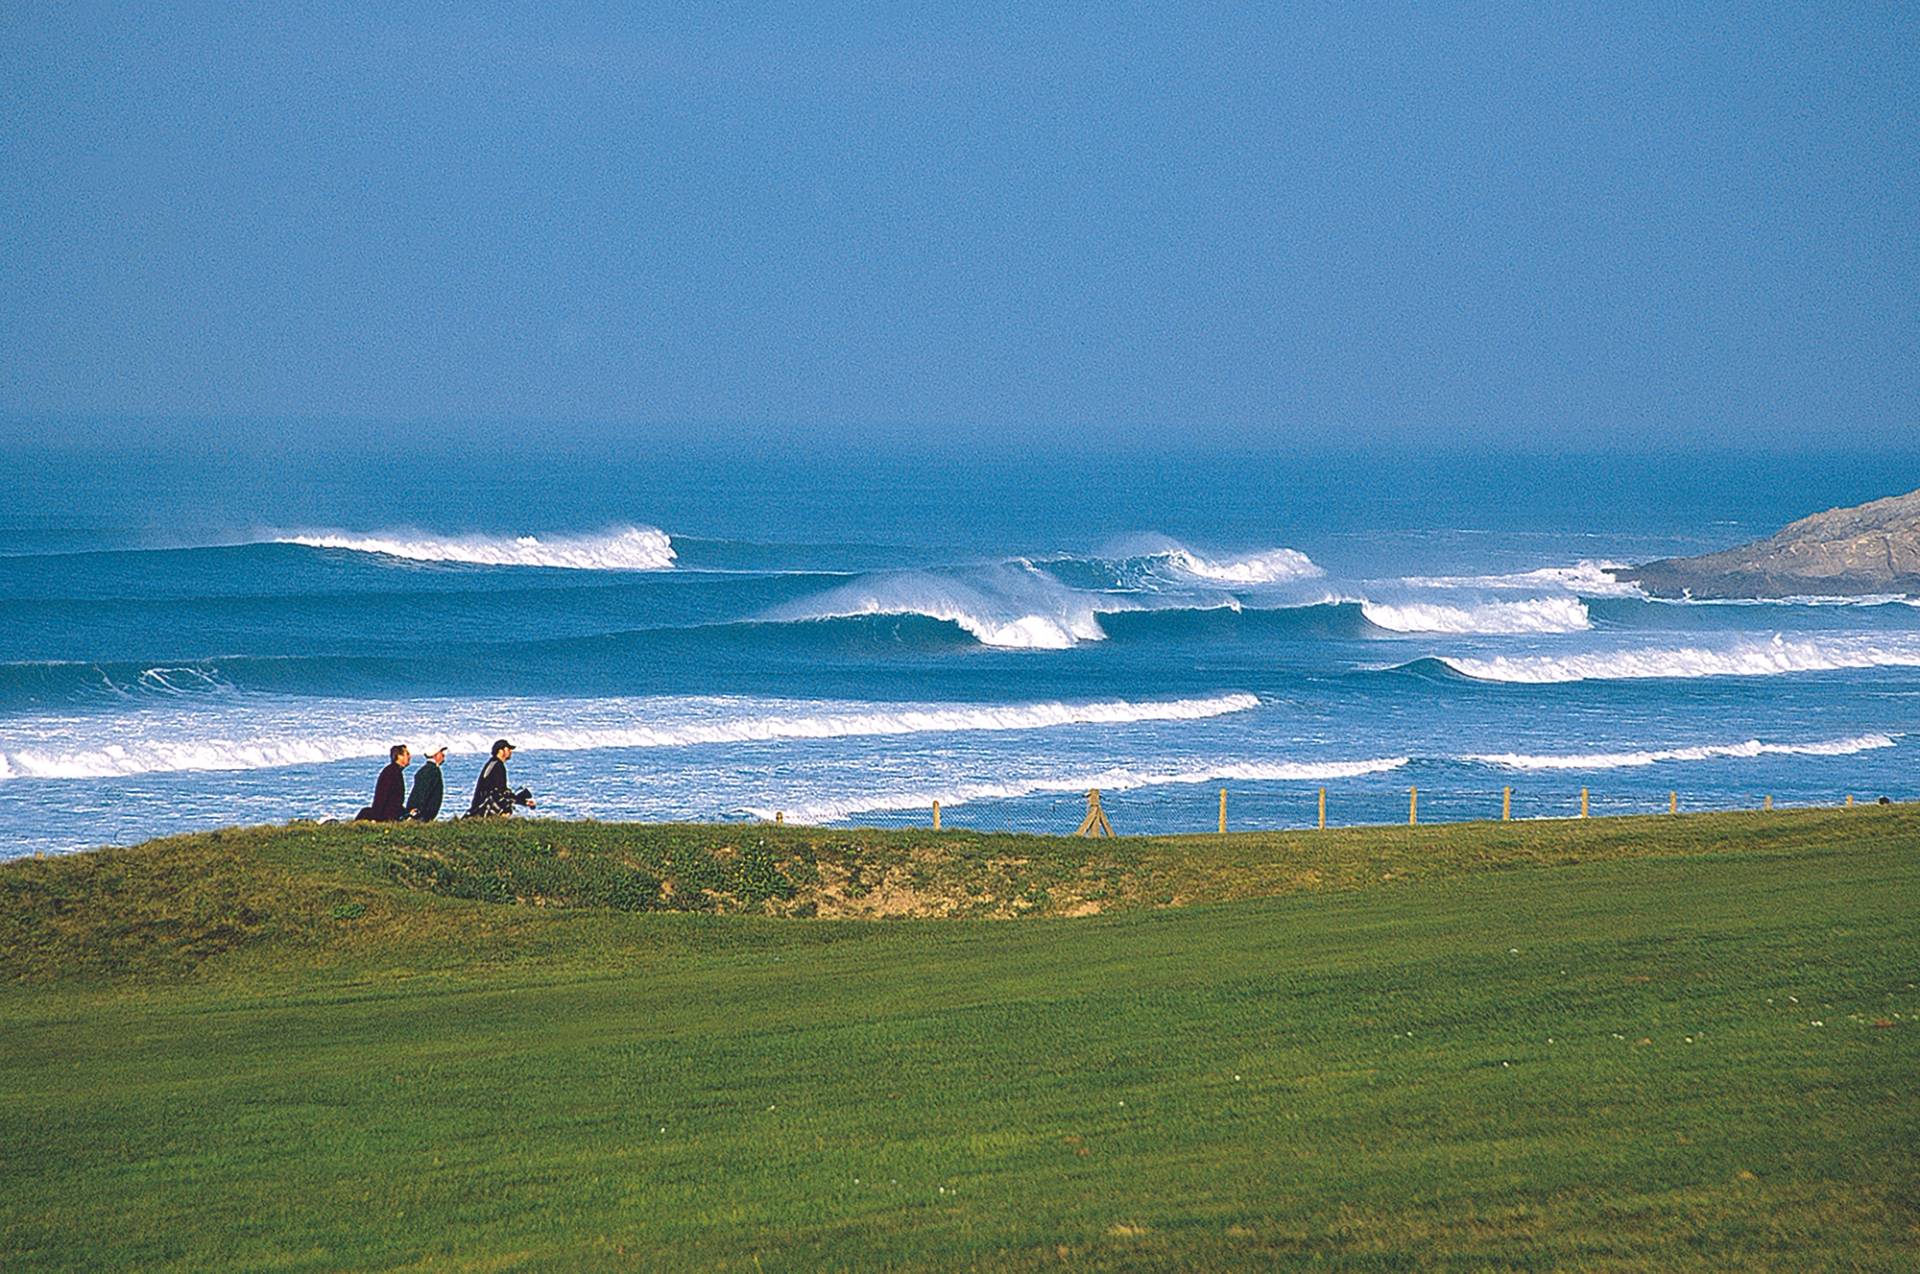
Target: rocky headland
(1866, 549)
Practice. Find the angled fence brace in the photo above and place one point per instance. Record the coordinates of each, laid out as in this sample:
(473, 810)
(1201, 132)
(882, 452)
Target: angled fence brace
(1095, 823)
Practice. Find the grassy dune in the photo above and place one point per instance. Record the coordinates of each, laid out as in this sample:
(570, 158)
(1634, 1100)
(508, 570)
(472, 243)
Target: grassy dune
(1619, 1043)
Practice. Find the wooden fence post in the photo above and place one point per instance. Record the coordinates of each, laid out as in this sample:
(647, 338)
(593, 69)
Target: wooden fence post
(1323, 809)
(1095, 823)
(1506, 804)
(1413, 806)
(1849, 800)
(936, 816)
(1769, 803)
(1583, 802)
(1673, 802)
(1223, 811)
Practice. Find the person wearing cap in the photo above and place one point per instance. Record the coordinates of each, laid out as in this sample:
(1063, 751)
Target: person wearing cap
(390, 792)
(429, 788)
(491, 795)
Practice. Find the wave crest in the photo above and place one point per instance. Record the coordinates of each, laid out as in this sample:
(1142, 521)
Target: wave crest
(1779, 656)
(1535, 615)
(629, 548)
(244, 738)
(1153, 560)
(1584, 578)
(1012, 605)
(1704, 752)
(1274, 566)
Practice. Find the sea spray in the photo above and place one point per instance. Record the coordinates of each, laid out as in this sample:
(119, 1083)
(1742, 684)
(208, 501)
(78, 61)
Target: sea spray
(1011, 605)
(1534, 615)
(1778, 656)
(631, 548)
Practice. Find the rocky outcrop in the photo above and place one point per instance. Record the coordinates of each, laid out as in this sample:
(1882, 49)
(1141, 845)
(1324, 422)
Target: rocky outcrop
(1869, 548)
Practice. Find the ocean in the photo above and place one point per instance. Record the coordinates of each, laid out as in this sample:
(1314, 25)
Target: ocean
(206, 631)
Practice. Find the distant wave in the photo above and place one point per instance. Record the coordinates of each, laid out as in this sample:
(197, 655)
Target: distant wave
(1808, 599)
(1057, 603)
(1704, 752)
(1011, 605)
(1582, 579)
(1534, 615)
(1152, 561)
(1776, 657)
(260, 735)
(1113, 780)
(1274, 566)
(630, 548)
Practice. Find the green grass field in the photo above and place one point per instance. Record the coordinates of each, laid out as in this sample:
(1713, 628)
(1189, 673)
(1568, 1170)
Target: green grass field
(1624, 1043)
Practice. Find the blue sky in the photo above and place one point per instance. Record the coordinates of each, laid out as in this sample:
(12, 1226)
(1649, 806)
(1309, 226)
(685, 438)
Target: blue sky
(1345, 224)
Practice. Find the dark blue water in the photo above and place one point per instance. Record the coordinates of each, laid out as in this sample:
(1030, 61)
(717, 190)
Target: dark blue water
(232, 627)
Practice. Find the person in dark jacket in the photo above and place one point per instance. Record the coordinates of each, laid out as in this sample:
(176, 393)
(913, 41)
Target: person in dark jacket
(390, 791)
(491, 795)
(429, 788)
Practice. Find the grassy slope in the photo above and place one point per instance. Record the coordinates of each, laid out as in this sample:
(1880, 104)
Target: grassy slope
(285, 1049)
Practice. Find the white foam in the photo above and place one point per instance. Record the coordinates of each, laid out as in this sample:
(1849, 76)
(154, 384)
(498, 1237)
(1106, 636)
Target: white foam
(1113, 780)
(256, 735)
(631, 548)
(1809, 599)
(1009, 605)
(1273, 566)
(1776, 657)
(1704, 752)
(1535, 615)
(1583, 579)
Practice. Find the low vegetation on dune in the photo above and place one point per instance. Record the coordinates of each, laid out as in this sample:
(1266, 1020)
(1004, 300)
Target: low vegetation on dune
(1623, 1043)
(330, 890)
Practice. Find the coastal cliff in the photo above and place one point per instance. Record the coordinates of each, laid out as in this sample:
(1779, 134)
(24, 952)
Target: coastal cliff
(1866, 549)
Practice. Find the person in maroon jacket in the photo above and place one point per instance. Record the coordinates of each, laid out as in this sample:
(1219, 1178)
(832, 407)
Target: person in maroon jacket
(390, 792)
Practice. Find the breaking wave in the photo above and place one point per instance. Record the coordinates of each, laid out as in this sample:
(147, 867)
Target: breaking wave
(257, 736)
(1153, 561)
(1275, 566)
(1704, 752)
(1582, 579)
(1011, 605)
(1534, 615)
(1776, 657)
(630, 548)
(1114, 780)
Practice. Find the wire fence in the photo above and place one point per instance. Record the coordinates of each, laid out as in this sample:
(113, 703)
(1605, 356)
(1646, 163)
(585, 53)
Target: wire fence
(1217, 810)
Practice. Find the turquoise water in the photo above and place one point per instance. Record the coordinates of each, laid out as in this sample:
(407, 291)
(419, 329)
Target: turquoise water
(198, 636)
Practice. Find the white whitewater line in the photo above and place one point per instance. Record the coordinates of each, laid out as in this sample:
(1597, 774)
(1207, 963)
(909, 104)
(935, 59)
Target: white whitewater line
(1772, 658)
(632, 548)
(1021, 632)
(1803, 599)
(1703, 752)
(1536, 615)
(1273, 566)
(1115, 780)
(1583, 579)
(1009, 605)
(609, 723)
